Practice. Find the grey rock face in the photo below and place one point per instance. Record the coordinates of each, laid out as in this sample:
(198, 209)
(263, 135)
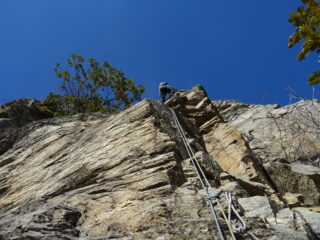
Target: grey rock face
(290, 132)
(230, 109)
(312, 219)
(285, 139)
(117, 176)
(129, 176)
(196, 107)
(13, 116)
(257, 206)
(21, 111)
(296, 178)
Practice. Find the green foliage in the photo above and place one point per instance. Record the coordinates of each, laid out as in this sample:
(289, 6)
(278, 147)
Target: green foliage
(91, 87)
(44, 109)
(52, 105)
(306, 20)
(314, 78)
(237, 107)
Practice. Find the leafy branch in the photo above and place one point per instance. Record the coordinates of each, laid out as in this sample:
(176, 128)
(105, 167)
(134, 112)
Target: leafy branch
(306, 21)
(91, 87)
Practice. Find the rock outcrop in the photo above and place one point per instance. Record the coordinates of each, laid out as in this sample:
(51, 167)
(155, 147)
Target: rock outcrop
(128, 175)
(286, 141)
(13, 116)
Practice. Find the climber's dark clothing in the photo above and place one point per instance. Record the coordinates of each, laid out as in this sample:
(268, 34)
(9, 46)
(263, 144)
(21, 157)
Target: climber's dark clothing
(164, 89)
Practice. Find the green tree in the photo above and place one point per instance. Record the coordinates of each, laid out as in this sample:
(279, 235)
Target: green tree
(92, 87)
(54, 105)
(306, 21)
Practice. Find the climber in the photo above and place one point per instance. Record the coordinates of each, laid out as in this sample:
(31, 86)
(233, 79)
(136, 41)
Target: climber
(165, 89)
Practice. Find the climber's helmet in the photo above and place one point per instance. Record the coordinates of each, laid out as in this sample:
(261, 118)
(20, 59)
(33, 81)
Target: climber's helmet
(162, 84)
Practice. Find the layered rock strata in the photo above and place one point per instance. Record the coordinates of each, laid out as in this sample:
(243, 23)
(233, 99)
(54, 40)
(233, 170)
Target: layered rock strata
(128, 175)
(103, 176)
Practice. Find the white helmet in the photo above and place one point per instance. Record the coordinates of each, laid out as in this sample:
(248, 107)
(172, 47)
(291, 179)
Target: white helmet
(163, 84)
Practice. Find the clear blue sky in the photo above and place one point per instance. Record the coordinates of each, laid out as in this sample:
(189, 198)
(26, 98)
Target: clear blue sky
(235, 49)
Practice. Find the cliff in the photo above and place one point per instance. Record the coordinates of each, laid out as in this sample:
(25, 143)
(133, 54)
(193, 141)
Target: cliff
(128, 175)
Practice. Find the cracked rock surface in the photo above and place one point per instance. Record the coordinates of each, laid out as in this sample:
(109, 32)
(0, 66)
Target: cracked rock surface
(128, 175)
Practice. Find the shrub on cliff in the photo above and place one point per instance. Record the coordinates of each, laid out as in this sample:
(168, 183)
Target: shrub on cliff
(91, 87)
(56, 105)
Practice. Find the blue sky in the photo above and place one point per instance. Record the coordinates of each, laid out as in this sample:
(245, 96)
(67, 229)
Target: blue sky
(235, 49)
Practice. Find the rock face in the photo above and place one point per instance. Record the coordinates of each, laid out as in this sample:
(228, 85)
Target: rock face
(129, 176)
(286, 141)
(117, 176)
(13, 116)
(290, 132)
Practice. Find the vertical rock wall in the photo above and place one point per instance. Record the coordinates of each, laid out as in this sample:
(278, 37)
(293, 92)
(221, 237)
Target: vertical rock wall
(128, 176)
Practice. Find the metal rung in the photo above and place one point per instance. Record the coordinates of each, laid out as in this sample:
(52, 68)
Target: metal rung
(217, 195)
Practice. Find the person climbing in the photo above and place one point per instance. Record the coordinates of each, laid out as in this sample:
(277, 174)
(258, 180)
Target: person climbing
(165, 89)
